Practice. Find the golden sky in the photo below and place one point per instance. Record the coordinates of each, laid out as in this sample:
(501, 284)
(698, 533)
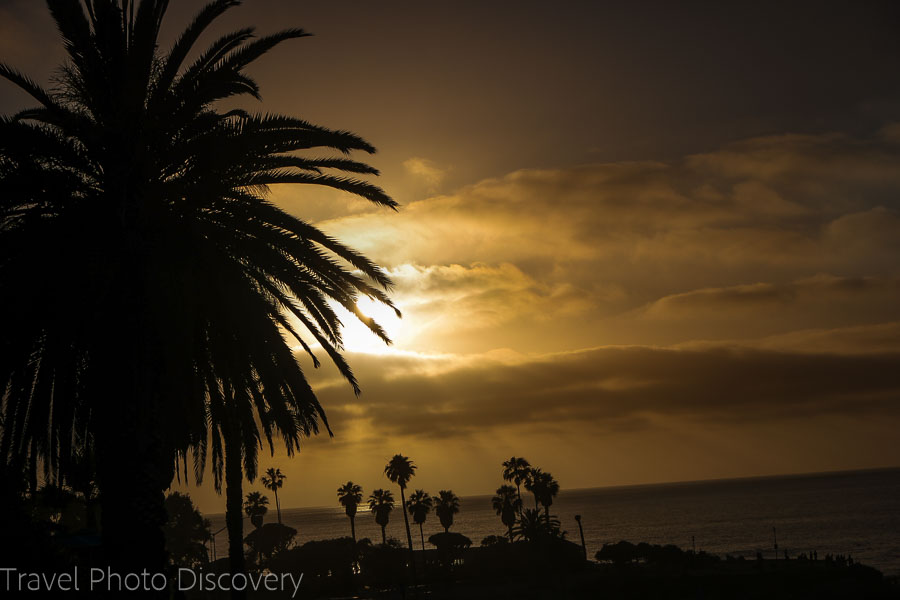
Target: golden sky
(635, 245)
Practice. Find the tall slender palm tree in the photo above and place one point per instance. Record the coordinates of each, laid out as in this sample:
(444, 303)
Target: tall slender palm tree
(150, 219)
(507, 504)
(350, 495)
(545, 489)
(273, 480)
(256, 506)
(446, 505)
(532, 481)
(516, 470)
(381, 503)
(400, 470)
(419, 505)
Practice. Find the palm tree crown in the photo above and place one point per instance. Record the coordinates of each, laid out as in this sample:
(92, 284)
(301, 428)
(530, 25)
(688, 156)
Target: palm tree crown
(545, 488)
(350, 495)
(516, 470)
(419, 505)
(274, 480)
(446, 505)
(151, 219)
(400, 470)
(256, 506)
(381, 503)
(508, 505)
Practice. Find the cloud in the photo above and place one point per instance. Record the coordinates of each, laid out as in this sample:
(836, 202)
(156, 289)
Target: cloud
(756, 238)
(612, 388)
(426, 170)
(822, 294)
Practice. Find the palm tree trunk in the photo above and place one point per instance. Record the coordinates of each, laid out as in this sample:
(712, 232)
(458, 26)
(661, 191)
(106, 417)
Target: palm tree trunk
(353, 528)
(406, 519)
(383, 536)
(519, 493)
(422, 534)
(277, 505)
(233, 500)
(412, 557)
(133, 467)
(510, 533)
(547, 513)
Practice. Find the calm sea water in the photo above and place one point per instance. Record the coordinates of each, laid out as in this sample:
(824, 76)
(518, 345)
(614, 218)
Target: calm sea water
(855, 513)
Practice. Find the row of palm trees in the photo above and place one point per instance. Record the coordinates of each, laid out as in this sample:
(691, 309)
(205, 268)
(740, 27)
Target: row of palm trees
(256, 505)
(508, 499)
(507, 502)
(381, 502)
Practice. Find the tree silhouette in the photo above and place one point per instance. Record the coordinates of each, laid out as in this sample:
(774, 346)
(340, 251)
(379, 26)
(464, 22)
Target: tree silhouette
(186, 532)
(350, 495)
(545, 488)
(381, 503)
(256, 506)
(150, 217)
(533, 477)
(419, 505)
(507, 504)
(400, 470)
(532, 526)
(446, 505)
(273, 480)
(516, 470)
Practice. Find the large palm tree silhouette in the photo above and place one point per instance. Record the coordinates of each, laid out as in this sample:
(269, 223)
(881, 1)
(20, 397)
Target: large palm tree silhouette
(274, 480)
(507, 504)
(419, 505)
(516, 470)
(445, 506)
(350, 495)
(178, 276)
(400, 470)
(381, 503)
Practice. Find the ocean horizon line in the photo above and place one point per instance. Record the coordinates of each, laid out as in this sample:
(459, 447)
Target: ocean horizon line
(629, 486)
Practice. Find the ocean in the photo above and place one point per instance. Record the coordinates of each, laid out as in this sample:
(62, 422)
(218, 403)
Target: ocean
(853, 513)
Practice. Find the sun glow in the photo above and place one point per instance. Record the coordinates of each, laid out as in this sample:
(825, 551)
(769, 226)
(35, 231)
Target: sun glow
(359, 338)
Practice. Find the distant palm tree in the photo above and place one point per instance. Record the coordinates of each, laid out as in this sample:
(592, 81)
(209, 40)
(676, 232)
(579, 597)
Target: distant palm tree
(274, 479)
(419, 505)
(446, 505)
(350, 495)
(532, 477)
(400, 470)
(381, 503)
(516, 470)
(256, 506)
(508, 505)
(545, 488)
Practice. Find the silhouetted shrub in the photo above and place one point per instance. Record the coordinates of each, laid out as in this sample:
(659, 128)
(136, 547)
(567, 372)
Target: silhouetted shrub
(494, 540)
(186, 532)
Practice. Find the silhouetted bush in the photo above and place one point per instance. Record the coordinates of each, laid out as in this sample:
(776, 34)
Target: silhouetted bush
(668, 556)
(383, 565)
(186, 532)
(325, 564)
(269, 540)
(494, 540)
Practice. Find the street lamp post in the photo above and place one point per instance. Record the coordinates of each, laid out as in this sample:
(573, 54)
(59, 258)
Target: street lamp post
(581, 531)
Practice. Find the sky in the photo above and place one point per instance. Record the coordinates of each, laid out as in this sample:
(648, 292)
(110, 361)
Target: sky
(638, 242)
